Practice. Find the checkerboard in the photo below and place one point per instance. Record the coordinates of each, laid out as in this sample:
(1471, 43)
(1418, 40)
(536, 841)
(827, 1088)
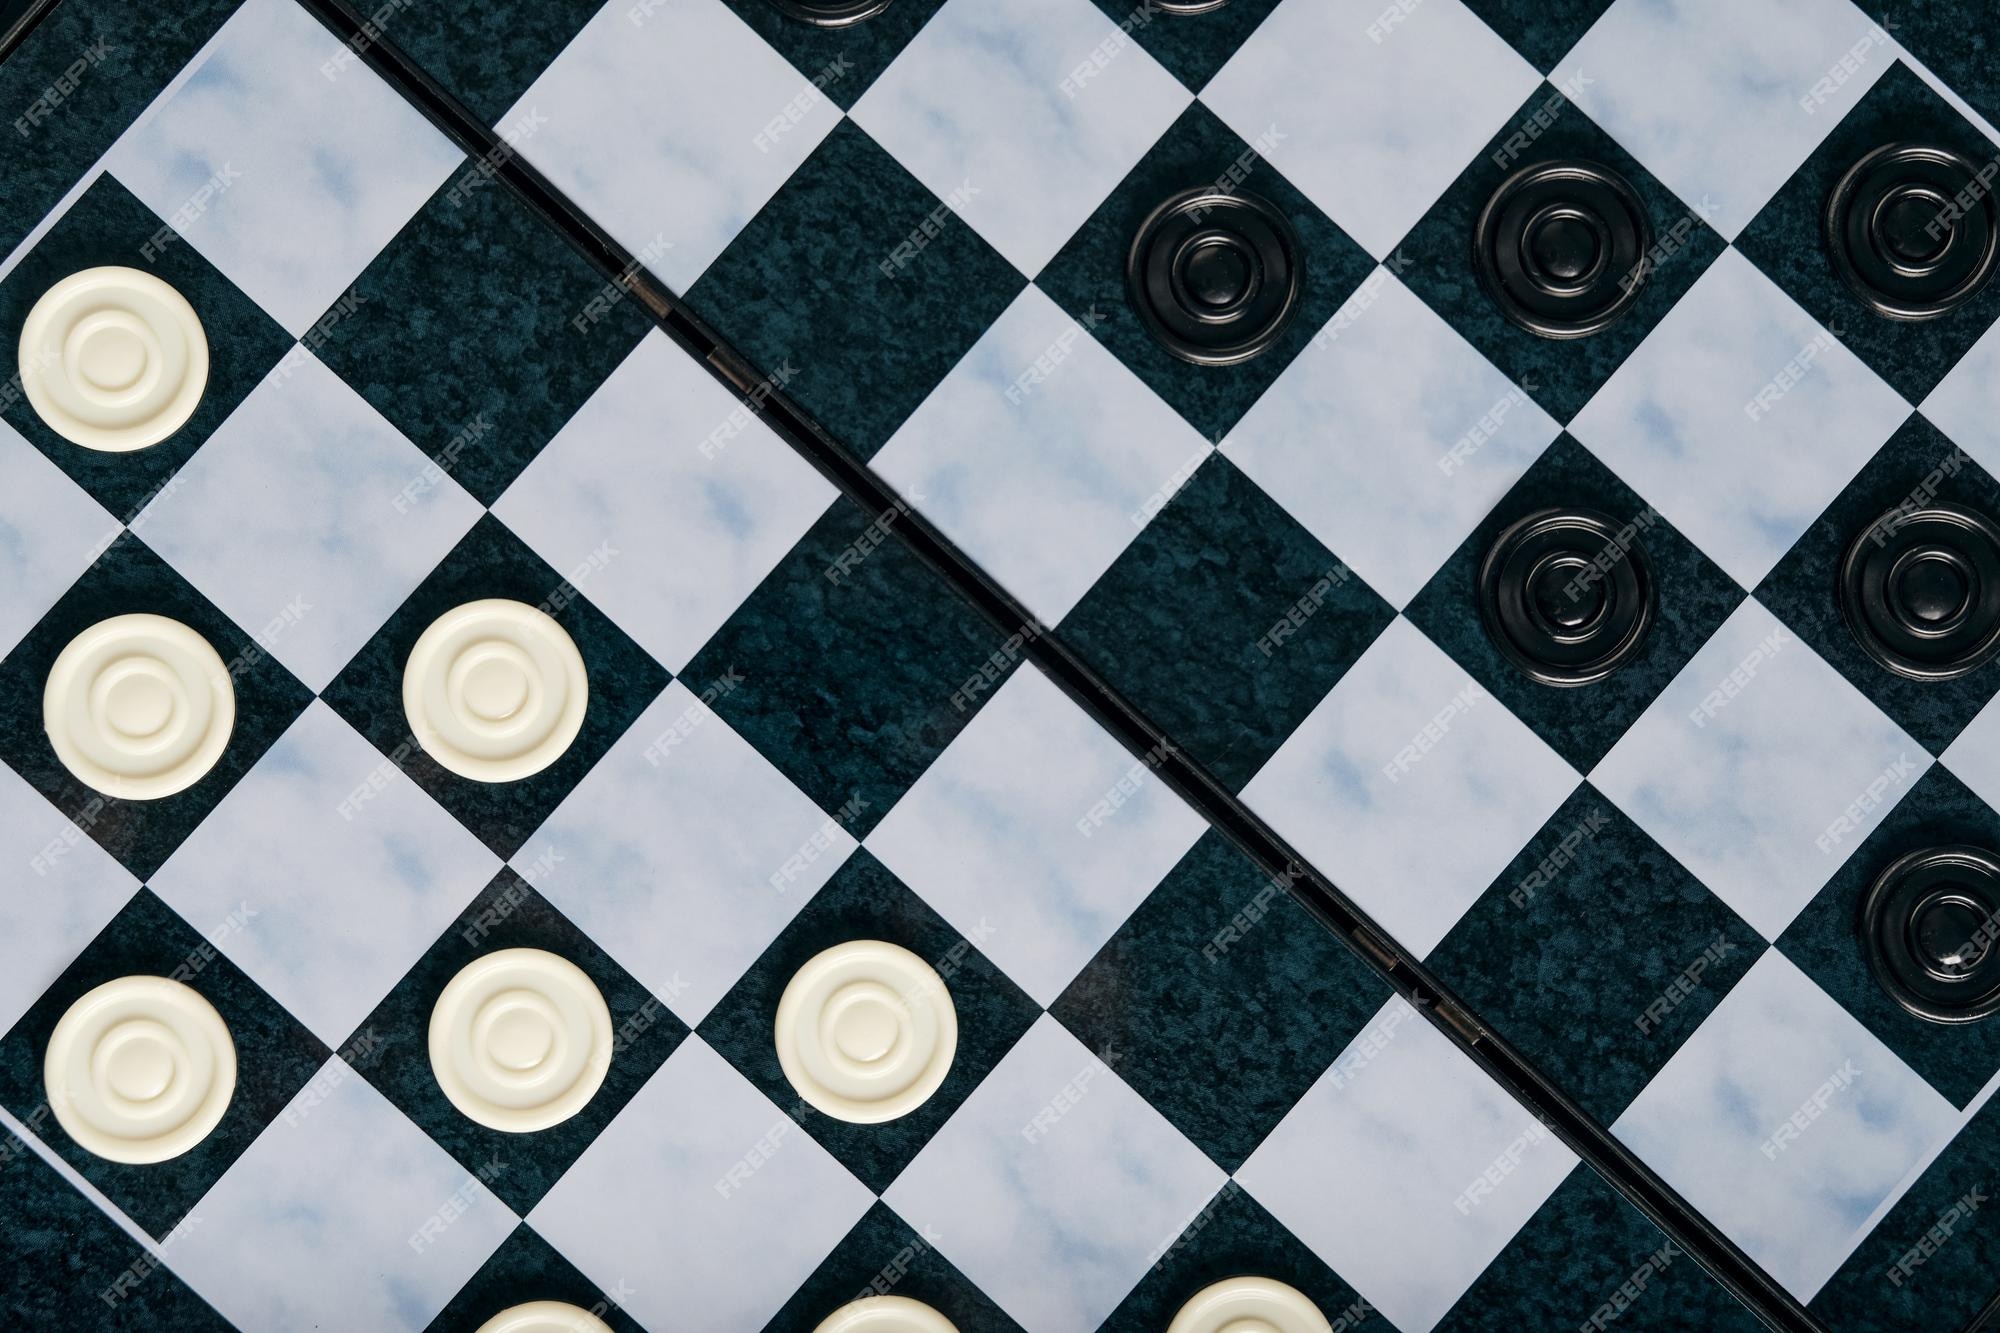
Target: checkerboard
(805, 728)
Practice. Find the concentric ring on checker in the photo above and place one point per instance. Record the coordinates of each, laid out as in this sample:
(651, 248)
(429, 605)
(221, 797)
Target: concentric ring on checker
(831, 13)
(495, 690)
(1559, 247)
(1920, 590)
(138, 707)
(140, 1069)
(1929, 924)
(885, 1314)
(520, 1040)
(1215, 277)
(544, 1317)
(113, 359)
(1186, 8)
(1913, 230)
(1249, 1305)
(1567, 595)
(866, 1031)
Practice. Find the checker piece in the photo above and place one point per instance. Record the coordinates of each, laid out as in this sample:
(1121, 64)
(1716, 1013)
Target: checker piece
(1215, 276)
(1249, 1305)
(866, 1031)
(1559, 247)
(831, 13)
(1920, 589)
(1567, 595)
(520, 1040)
(886, 1314)
(138, 706)
(545, 1317)
(1929, 923)
(140, 1069)
(495, 690)
(1913, 230)
(113, 359)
